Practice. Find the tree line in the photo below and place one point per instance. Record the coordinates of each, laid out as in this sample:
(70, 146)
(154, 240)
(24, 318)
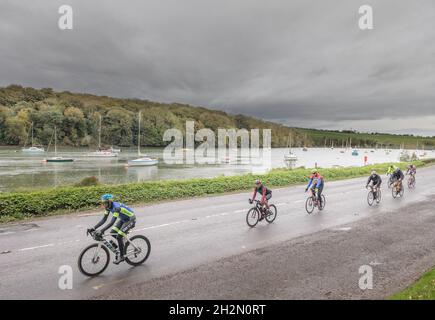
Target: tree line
(76, 117)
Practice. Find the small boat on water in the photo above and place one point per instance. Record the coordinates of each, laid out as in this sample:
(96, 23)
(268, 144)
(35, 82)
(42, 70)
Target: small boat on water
(144, 160)
(33, 148)
(59, 159)
(114, 150)
(290, 158)
(56, 158)
(102, 153)
(355, 153)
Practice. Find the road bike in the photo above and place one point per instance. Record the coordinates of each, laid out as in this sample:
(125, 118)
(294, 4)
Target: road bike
(411, 181)
(398, 190)
(374, 195)
(391, 181)
(313, 202)
(259, 212)
(94, 259)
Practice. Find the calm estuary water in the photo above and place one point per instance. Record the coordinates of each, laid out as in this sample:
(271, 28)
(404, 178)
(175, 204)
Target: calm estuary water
(19, 171)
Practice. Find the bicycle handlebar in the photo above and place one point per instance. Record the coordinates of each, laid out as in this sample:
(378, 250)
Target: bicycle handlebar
(94, 236)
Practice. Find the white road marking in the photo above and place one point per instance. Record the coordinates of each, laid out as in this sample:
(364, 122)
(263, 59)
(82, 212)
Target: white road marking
(182, 221)
(66, 242)
(5, 233)
(238, 211)
(37, 247)
(97, 287)
(343, 229)
(88, 214)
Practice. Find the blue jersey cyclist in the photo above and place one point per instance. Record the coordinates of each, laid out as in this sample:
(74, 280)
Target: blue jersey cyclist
(124, 218)
(317, 183)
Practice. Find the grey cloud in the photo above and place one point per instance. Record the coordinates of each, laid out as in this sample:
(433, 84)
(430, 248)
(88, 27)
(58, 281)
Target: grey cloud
(300, 61)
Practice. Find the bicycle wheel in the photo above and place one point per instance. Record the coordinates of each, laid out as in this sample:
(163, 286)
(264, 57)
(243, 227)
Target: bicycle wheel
(370, 198)
(323, 205)
(411, 183)
(391, 182)
(252, 217)
(137, 256)
(309, 205)
(379, 196)
(270, 217)
(394, 192)
(93, 260)
(402, 191)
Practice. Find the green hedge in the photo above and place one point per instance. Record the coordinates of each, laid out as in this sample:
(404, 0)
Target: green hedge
(17, 205)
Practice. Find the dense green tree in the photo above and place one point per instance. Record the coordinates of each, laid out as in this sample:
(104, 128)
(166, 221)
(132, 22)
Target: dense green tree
(15, 131)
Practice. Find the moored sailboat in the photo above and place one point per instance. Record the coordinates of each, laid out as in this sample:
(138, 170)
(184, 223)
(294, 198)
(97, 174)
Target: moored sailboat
(56, 158)
(144, 160)
(102, 153)
(33, 148)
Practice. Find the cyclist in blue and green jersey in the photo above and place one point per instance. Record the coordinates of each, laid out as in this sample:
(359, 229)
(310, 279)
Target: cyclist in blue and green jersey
(125, 220)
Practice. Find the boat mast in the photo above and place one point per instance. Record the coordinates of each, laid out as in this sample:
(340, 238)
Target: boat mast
(55, 142)
(32, 134)
(138, 135)
(99, 135)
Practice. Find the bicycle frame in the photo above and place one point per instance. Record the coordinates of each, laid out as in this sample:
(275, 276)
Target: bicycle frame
(374, 189)
(411, 178)
(108, 245)
(398, 185)
(259, 206)
(315, 198)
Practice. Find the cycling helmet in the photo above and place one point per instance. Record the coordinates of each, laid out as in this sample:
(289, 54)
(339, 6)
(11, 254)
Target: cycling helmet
(314, 171)
(258, 182)
(374, 172)
(106, 197)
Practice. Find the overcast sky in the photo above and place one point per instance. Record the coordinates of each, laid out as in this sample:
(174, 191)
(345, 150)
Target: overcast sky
(300, 62)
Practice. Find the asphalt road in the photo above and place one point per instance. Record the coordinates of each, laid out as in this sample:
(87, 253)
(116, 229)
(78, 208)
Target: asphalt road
(202, 248)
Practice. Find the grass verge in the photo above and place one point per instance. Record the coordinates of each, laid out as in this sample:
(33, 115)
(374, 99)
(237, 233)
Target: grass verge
(22, 205)
(423, 289)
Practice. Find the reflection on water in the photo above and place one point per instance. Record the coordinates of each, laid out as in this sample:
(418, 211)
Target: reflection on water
(20, 171)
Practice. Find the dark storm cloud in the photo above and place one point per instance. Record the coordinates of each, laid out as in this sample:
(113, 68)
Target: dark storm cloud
(299, 62)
